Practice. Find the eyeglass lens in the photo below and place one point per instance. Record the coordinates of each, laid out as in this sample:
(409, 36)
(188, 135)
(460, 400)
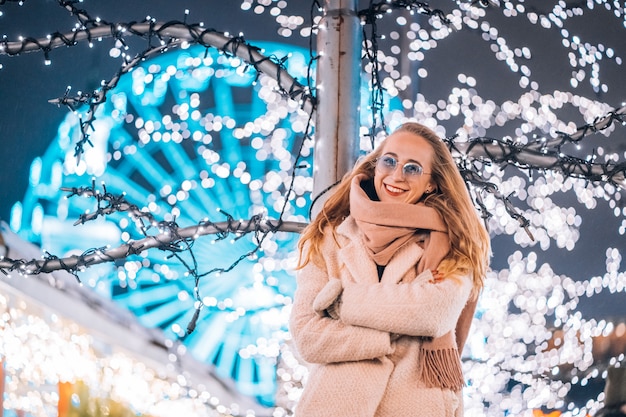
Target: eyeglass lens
(388, 164)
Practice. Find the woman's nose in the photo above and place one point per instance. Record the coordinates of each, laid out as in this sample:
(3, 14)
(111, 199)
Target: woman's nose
(398, 173)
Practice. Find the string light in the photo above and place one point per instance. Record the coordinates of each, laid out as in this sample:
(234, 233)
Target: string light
(41, 350)
(176, 33)
(537, 149)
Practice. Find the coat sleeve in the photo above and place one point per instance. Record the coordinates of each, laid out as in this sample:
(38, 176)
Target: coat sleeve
(419, 308)
(325, 340)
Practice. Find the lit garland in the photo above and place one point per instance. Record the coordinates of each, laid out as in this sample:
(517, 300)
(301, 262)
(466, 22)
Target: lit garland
(520, 286)
(258, 224)
(169, 238)
(545, 348)
(169, 35)
(369, 17)
(181, 243)
(176, 32)
(542, 154)
(40, 350)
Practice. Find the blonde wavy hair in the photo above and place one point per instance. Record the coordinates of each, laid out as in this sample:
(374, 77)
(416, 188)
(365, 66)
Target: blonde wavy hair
(469, 240)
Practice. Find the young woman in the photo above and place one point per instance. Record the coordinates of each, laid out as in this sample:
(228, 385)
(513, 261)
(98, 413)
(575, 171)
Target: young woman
(389, 273)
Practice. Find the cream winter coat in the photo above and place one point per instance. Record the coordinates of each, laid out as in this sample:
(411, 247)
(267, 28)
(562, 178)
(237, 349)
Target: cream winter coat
(365, 363)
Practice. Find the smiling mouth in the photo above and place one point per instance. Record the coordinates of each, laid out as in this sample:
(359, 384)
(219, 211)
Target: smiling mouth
(393, 190)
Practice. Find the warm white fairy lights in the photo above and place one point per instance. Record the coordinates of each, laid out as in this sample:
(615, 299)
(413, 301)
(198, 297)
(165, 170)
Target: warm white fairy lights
(546, 334)
(510, 368)
(531, 343)
(40, 350)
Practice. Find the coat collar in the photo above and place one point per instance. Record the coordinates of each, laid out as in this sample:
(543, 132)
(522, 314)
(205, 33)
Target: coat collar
(353, 254)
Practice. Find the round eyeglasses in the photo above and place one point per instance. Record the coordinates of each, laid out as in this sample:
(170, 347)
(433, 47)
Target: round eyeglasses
(411, 170)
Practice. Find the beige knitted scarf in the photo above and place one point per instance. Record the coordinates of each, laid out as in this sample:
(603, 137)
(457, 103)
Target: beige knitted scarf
(386, 227)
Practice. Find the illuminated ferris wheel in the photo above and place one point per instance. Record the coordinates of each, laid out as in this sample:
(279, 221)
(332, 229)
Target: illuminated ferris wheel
(189, 135)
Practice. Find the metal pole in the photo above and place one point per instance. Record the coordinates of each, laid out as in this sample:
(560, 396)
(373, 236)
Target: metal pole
(338, 83)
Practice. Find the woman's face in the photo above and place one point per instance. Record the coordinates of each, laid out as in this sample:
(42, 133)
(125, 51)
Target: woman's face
(403, 170)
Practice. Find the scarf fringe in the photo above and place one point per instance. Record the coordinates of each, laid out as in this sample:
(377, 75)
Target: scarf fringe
(441, 368)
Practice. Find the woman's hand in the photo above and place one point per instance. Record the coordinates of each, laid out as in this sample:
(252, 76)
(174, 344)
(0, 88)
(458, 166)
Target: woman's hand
(437, 276)
(327, 301)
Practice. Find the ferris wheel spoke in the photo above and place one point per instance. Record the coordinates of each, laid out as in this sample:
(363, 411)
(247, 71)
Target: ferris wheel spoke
(153, 294)
(165, 313)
